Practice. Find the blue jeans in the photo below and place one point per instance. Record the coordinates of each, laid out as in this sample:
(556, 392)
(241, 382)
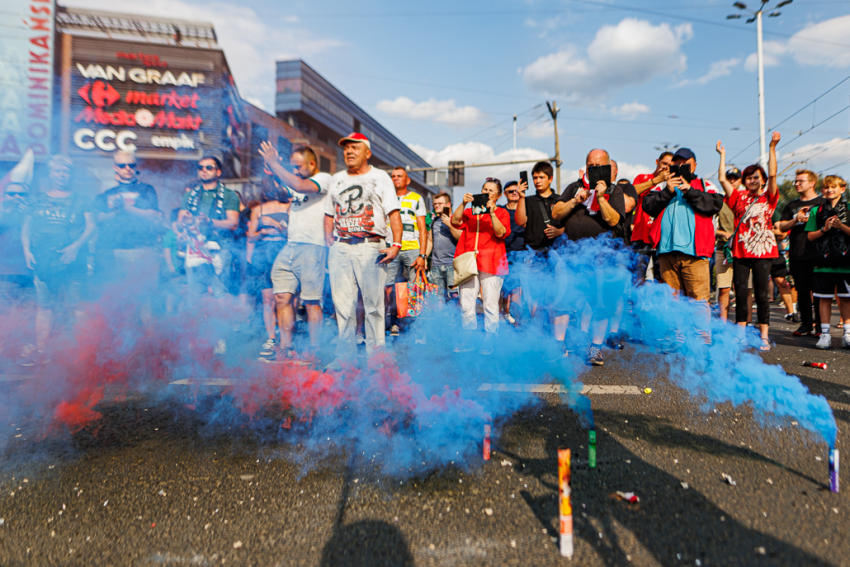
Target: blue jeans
(443, 277)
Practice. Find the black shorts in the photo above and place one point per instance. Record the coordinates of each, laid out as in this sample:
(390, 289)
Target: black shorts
(826, 284)
(778, 269)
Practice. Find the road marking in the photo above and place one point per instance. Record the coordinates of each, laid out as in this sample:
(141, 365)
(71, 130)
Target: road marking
(15, 377)
(587, 389)
(201, 382)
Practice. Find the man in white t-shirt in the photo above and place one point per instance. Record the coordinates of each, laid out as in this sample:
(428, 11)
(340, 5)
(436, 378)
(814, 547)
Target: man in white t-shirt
(361, 212)
(300, 265)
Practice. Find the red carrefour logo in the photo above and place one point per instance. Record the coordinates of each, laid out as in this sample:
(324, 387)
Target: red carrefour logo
(99, 93)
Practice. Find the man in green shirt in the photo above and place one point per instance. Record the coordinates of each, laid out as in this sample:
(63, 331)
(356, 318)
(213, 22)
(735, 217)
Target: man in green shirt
(210, 212)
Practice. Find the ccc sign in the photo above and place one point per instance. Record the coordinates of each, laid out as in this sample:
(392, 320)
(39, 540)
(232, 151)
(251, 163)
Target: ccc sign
(106, 140)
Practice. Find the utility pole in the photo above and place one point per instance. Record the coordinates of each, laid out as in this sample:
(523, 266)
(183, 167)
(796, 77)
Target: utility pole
(553, 112)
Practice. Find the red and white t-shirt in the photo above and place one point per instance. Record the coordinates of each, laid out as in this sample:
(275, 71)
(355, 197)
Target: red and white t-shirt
(753, 217)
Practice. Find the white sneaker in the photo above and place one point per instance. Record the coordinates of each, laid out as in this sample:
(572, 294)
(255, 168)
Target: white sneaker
(824, 342)
(845, 342)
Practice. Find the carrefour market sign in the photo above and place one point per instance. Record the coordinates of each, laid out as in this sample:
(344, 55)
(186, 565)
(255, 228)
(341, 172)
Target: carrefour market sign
(144, 105)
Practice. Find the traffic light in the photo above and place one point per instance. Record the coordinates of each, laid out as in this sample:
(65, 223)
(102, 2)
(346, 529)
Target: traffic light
(455, 174)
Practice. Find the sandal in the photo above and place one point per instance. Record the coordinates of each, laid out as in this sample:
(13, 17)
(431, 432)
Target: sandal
(765, 345)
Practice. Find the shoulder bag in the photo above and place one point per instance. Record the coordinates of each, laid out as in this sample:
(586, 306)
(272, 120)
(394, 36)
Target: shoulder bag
(466, 265)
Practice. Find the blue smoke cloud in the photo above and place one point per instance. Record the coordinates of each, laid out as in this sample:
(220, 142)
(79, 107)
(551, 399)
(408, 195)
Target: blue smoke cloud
(421, 404)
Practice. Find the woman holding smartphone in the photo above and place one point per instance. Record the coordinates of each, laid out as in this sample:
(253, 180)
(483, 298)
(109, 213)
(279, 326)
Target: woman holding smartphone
(483, 231)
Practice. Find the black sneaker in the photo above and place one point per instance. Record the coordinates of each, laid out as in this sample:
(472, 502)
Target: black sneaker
(615, 342)
(594, 356)
(804, 331)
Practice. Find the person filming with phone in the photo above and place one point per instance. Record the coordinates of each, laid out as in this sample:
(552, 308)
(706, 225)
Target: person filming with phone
(484, 226)
(683, 231)
(592, 205)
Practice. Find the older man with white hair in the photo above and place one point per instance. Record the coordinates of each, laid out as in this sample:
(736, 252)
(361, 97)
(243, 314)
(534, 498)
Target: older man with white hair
(361, 212)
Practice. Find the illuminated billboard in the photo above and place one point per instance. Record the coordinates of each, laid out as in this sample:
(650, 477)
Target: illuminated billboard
(159, 100)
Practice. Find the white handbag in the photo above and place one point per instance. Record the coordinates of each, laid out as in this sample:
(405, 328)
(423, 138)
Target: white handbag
(466, 265)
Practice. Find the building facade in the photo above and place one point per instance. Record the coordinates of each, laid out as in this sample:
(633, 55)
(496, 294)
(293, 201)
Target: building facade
(310, 103)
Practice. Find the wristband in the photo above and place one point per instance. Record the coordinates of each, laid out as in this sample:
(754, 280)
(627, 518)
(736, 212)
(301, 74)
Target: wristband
(396, 245)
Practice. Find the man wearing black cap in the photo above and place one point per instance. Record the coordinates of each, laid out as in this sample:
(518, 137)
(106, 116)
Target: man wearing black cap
(361, 212)
(683, 231)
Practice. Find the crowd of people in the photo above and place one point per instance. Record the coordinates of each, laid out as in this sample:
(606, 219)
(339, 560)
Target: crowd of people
(302, 240)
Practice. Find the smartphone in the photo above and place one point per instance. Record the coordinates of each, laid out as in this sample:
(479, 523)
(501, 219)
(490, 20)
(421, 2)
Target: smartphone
(479, 203)
(597, 173)
(380, 258)
(682, 170)
(523, 177)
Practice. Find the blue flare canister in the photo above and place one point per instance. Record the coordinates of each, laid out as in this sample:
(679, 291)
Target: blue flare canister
(833, 470)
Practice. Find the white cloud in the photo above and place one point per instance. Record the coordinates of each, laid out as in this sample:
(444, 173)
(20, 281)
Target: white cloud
(250, 41)
(825, 43)
(773, 52)
(819, 155)
(630, 53)
(630, 110)
(445, 111)
(715, 71)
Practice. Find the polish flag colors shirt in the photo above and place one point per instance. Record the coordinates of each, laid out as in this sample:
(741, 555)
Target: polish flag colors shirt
(753, 217)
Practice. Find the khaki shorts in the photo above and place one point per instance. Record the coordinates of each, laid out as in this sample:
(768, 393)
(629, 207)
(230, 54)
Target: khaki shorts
(722, 270)
(300, 268)
(686, 273)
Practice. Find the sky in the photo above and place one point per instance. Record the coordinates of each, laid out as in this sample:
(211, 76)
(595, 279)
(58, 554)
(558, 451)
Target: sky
(630, 76)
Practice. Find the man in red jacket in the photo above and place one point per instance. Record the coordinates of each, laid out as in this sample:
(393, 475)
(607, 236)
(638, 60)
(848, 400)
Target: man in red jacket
(683, 231)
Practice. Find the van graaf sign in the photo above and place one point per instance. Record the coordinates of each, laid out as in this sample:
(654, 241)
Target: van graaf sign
(139, 103)
(26, 76)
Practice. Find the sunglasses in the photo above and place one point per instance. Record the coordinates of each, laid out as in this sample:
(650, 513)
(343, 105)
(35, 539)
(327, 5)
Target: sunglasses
(511, 192)
(207, 168)
(126, 165)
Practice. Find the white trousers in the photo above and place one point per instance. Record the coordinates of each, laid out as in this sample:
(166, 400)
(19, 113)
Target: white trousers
(490, 286)
(352, 267)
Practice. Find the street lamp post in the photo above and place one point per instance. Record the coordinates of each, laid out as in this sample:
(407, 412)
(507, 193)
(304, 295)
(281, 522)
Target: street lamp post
(756, 17)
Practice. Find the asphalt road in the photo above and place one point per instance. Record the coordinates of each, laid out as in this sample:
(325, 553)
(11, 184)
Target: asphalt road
(151, 489)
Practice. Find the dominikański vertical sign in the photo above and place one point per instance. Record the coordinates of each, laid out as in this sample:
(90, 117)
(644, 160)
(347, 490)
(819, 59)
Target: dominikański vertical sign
(26, 76)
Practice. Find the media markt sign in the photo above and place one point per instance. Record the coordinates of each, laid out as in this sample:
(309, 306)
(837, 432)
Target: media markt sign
(133, 100)
(26, 73)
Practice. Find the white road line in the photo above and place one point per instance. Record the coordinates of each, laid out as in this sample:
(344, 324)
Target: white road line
(15, 377)
(201, 382)
(587, 389)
